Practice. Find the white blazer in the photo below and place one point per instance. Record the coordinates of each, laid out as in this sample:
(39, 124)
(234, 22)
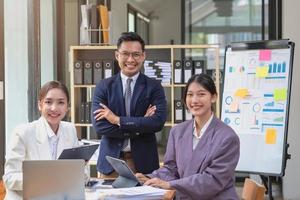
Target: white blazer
(30, 142)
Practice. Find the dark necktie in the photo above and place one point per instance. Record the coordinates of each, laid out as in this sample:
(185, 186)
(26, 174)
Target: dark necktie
(127, 96)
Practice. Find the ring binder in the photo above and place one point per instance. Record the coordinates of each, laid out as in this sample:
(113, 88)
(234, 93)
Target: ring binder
(177, 71)
(88, 72)
(178, 111)
(188, 68)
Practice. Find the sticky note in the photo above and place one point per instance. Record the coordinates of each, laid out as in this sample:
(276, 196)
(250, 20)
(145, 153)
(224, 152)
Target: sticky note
(280, 94)
(271, 134)
(265, 55)
(242, 93)
(262, 72)
(234, 106)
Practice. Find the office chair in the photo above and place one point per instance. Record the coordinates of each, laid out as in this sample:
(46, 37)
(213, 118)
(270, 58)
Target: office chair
(253, 190)
(2, 190)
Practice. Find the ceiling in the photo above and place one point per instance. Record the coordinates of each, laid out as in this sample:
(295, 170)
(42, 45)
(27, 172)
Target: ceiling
(147, 5)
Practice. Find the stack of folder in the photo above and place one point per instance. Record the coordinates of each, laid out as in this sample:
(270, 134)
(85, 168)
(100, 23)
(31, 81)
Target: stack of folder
(184, 69)
(181, 113)
(92, 71)
(132, 193)
(85, 113)
(158, 70)
(95, 26)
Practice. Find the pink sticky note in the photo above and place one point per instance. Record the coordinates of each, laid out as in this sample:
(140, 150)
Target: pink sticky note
(265, 55)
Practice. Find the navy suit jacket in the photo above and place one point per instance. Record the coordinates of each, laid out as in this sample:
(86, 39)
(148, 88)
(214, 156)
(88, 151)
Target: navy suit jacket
(141, 130)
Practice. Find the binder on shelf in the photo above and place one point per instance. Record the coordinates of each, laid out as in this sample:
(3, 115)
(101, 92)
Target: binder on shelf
(177, 71)
(84, 35)
(187, 70)
(82, 113)
(198, 66)
(98, 71)
(88, 73)
(187, 115)
(103, 12)
(88, 107)
(178, 111)
(94, 25)
(108, 66)
(78, 73)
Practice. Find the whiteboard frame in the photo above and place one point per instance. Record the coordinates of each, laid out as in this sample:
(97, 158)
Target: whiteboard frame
(260, 45)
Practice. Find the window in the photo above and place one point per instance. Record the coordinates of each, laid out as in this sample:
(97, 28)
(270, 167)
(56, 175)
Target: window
(139, 23)
(225, 21)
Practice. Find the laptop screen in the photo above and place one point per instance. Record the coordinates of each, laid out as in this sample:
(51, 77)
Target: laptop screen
(53, 179)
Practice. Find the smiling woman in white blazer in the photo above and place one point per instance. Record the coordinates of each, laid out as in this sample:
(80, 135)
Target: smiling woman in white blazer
(43, 139)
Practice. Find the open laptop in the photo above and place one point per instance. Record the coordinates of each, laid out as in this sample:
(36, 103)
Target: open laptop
(84, 152)
(53, 179)
(126, 177)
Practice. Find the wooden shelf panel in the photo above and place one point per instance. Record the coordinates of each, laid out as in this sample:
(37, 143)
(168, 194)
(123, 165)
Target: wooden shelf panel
(179, 85)
(83, 125)
(167, 53)
(84, 86)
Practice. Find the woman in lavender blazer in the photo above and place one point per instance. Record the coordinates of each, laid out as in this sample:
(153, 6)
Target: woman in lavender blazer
(202, 153)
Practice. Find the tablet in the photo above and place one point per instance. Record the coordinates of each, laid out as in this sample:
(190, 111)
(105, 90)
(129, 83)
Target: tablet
(126, 177)
(84, 152)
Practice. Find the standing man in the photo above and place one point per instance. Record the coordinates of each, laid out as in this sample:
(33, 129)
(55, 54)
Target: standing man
(128, 109)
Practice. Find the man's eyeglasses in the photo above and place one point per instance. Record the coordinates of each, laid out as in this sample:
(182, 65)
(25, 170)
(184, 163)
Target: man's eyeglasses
(126, 55)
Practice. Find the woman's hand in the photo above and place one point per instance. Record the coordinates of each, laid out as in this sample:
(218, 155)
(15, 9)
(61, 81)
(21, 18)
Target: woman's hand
(142, 178)
(156, 182)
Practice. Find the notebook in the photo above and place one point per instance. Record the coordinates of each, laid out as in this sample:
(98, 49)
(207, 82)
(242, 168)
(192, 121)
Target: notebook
(126, 177)
(53, 179)
(84, 152)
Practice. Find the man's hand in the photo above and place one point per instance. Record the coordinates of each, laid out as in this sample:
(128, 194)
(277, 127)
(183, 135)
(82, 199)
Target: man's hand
(106, 113)
(156, 182)
(150, 111)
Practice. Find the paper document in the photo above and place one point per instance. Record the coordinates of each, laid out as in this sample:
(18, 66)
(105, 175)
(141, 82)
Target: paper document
(132, 193)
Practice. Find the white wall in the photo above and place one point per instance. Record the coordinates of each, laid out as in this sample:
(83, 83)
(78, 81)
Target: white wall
(291, 30)
(16, 57)
(165, 20)
(166, 23)
(16, 63)
(71, 31)
(119, 18)
(48, 58)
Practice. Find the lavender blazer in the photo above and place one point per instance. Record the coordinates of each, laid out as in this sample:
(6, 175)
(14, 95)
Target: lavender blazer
(206, 172)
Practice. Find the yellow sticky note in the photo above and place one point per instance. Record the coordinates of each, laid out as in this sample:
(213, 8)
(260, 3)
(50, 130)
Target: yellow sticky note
(271, 135)
(262, 72)
(242, 92)
(280, 94)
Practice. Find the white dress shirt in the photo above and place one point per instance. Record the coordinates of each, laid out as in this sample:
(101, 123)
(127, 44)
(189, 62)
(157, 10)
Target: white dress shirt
(52, 138)
(197, 138)
(124, 79)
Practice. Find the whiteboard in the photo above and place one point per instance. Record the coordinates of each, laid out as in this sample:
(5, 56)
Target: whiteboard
(255, 104)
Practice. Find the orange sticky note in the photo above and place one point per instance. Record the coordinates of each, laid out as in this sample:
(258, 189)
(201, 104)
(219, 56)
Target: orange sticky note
(265, 55)
(242, 93)
(262, 72)
(280, 94)
(234, 106)
(271, 135)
